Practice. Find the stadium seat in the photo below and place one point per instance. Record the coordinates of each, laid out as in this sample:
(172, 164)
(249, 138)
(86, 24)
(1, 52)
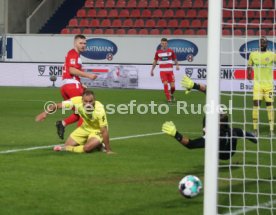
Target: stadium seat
(113, 13)
(270, 14)
(81, 13)
(99, 4)
(242, 4)
(135, 13)
(254, 23)
(166, 32)
(121, 4)
(76, 31)
(146, 13)
(142, 4)
(201, 32)
(128, 23)
(268, 4)
(238, 32)
(98, 31)
(102, 13)
(120, 31)
(143, 31)
(176, 4)
(226, 32)
(238, 14)
(89, 3)
(154, 32)
(110, 4)
(132, 31)
(139, 23)
(157, 13)
(65, 31)
(173, 23)
(250, 32)
(87, 31)
(180, 13)
(169, 13)
(203, 13)
(109, 31)
(92, 13)
(164, 4)
(261, 32)
(184, 23)
(117, 23)
(205, 23)
(153, 4)
(161, 23)
(187, 4)
(191, 13)
(251, 14)
(227, 14)
(84, 23)
(271, 33)
(131, 4)
(198, 4)
(124, 13)
(196, 23)
(94, 23)
(106, 23)
(150, 23)
(178, 32)
(73, 23)
(255, 4)
(189, 32)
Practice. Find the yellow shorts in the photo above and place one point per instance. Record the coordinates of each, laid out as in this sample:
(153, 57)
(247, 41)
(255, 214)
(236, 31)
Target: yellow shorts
(81, 135)
(263, 93)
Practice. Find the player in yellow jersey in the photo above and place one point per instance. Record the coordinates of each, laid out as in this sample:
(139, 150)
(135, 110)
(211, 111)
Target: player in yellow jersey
(262, 63)
(94, 129)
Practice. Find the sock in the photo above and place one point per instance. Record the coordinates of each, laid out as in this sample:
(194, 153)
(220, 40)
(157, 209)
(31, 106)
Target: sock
(172, 90)
(255, 116)
(71, 119)
(270, 115)
(166, 90)
(76, 149)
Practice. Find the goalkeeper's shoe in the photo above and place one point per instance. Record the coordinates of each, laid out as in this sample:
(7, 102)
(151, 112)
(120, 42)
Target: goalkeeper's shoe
(187, 83)
(59, 148)
(169, 128)
(60, 129)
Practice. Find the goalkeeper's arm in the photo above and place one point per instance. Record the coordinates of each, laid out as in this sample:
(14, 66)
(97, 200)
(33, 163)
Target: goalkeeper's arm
(189, 84)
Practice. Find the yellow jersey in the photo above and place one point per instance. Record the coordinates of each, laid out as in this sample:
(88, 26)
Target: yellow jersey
(95, 119)
(262, 63)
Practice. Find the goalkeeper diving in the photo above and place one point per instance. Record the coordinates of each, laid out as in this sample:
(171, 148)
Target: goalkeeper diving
(228, 138)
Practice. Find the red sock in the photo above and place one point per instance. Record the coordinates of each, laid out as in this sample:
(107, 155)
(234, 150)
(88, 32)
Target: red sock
(166, 90)
(172, 90)
(71, 119)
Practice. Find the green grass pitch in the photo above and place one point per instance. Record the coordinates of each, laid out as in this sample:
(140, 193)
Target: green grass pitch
(141, 179)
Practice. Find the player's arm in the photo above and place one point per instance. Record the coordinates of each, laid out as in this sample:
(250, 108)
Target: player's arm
(77, 72)
(189, 84)
(105, 135)
(153, 67)
(248, 135)
(249, 67)
(48, 110)
(175, 61)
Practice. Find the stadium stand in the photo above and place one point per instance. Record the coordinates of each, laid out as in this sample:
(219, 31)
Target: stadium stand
(177, 17)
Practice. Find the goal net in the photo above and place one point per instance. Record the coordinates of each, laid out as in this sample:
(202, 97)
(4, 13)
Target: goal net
(246, 183)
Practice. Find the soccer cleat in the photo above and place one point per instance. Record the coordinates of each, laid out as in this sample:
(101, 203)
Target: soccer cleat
(60, 129)
(59, 148)
(173, 98)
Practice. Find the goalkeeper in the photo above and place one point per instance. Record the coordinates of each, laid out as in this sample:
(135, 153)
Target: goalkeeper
(228, 136)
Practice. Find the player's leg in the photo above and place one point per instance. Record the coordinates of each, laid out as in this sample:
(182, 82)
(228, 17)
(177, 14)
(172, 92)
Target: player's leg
(164, 80)
(171, 80)
(257, 97)
(268, 96)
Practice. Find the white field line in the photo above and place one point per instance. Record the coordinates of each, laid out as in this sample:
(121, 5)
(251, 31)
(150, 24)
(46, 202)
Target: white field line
(112, 139)
(252, 208)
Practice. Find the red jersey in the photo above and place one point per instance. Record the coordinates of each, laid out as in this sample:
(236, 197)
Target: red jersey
(71, 60)
(165, 59)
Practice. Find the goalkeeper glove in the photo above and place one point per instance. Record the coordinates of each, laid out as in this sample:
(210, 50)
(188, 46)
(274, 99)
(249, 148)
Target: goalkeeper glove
(187, 83)
(169, 128)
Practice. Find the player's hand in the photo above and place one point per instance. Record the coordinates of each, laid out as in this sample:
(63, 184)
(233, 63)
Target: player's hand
(169, 128)
(92, 76)
(40, 117)
(187, 83)
(84, 86)
(177, 67)
(110, 152)
(151, 73)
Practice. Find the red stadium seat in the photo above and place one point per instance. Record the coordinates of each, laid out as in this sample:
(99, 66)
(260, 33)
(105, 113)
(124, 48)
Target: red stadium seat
(205, 23)
(166, 32)
(92, 13)
(196, 23)
(271, 33)
(178, 32)
(65, 31)
(131, 4)
(157, 13)
(227, 14)
(169, 13)
(120, 31)
(73, 23)
(135, 13)
(102, 13)
(154, 32)
(132, 31)
(268, 4)
(161, 23)
(176, 4)
(89, 3)
(226, 32)
(150, 23)
(117, 23)
(106, 23)
(173, 23)
(81, 13)
(143, 31)
(128, 23)
(242, 4)
(191, 13)
(255, 4)
(146, 13)
(76, 31)
(110, 4)
(164, 4)
(250, 32)
(187, 4)
(94, 23)
(153, 4)
(198, 4)
(98, 31)
(99, 4)
(142, 4)
(84, 23)
(180, 13)
(124, 13)
(109, 31)
(203, 13)
(238, 32)
(87, 31)
(121, 4)
(251, 14)
(261, 32)
(184, 23)
(189, 32)
(113, 13)
(270, 14)
(238, 14)
(139, 23)
(201, 32)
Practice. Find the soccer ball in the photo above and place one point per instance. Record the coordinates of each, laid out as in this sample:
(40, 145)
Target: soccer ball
(190, 186)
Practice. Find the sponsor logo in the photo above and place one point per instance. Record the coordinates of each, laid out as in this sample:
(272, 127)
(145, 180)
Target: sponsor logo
(100, 49)
(189, 72)
(41, 69)
(253, 45)
(184, 49)
(50, 70)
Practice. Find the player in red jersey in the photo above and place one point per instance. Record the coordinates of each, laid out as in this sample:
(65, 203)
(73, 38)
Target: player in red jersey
(166, 58)
(71, 85)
